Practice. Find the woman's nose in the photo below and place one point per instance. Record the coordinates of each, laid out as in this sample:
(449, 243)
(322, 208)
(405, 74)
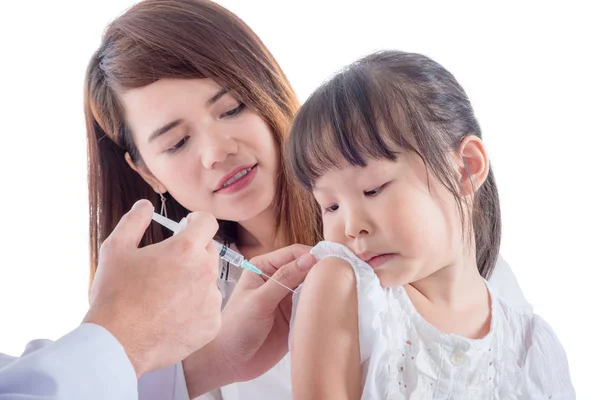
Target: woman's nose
(215, 148)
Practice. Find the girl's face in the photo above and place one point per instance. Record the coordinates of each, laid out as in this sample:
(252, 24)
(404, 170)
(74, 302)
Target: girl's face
(204, 147)
(401, 221)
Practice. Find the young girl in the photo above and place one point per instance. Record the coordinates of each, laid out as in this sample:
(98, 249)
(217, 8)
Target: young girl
(398, 307)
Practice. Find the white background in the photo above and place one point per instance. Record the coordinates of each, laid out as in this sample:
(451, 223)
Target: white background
(530, 69)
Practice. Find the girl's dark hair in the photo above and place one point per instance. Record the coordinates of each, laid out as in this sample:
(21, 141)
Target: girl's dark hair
(183, 39)
(385, 102)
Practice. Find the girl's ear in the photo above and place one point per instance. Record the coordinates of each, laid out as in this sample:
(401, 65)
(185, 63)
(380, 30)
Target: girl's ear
(145, 173)
(474, 165)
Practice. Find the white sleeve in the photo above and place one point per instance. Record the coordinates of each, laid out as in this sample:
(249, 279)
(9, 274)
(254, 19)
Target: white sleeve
(504, 284)
(87, 363)
(546, 369)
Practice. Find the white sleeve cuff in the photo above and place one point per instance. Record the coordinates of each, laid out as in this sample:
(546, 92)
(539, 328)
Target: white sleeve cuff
(87, 363)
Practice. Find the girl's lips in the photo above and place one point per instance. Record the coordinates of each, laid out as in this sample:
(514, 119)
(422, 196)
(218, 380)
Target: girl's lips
(379, 260)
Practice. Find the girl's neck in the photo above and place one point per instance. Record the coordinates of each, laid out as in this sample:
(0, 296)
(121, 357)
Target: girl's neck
(454, 299)
(257, 235)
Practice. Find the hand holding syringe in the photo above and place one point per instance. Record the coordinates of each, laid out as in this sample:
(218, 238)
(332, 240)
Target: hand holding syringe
(224, 252)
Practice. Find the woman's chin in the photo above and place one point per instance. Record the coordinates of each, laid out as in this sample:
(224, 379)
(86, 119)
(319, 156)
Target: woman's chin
(247, 211)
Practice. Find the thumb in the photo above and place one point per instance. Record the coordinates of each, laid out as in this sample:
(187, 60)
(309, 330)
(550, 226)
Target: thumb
(200, 227)
(132, 226)
(290, 275)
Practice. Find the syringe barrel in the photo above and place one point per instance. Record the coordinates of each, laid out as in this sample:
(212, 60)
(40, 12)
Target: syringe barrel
(229, 255)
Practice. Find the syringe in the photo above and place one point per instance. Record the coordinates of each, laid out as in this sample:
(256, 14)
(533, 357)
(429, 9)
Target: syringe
(225, 252)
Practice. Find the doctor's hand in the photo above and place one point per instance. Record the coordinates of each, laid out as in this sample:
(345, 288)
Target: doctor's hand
(160, 302)
(255, 324)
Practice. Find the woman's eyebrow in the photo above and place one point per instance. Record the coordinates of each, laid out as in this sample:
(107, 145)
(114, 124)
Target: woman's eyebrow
(164, 129)
(217, 96)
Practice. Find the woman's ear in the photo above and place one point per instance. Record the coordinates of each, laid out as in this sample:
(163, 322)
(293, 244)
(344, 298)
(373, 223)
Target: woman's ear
(474, 164)
(146, 175)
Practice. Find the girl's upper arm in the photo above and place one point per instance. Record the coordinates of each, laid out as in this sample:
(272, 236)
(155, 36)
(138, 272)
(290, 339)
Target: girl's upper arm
(325, 343)
(546, 367)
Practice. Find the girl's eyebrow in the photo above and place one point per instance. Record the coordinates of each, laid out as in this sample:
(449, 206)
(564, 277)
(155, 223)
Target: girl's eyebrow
(317, 188)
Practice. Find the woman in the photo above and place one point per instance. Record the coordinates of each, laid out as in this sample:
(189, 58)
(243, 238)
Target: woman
(185, 106)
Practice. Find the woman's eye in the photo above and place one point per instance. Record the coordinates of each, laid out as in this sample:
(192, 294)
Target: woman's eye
(332, 208)
(178, 145)
(233, 111)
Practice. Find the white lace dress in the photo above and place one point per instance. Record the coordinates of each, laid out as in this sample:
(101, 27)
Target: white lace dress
(404, 357)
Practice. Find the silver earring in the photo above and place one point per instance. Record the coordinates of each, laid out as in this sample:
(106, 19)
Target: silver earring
(163, 206)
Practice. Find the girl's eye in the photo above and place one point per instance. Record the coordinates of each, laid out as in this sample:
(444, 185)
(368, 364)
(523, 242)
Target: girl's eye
(375, 192)
(178, 145)
(233, 111)
(332, 208)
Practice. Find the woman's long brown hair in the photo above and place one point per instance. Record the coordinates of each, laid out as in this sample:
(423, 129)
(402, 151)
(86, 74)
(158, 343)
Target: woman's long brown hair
(183, 39)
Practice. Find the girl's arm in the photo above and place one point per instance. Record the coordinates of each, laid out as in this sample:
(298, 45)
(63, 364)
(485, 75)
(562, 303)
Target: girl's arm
(546, 370)
(325, 346)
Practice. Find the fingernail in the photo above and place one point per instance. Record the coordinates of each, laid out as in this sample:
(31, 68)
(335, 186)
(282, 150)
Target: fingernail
(183, 223)
(306, 262)
(139, 204)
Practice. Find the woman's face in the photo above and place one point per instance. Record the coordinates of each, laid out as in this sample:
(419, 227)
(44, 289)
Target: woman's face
(204, 147)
